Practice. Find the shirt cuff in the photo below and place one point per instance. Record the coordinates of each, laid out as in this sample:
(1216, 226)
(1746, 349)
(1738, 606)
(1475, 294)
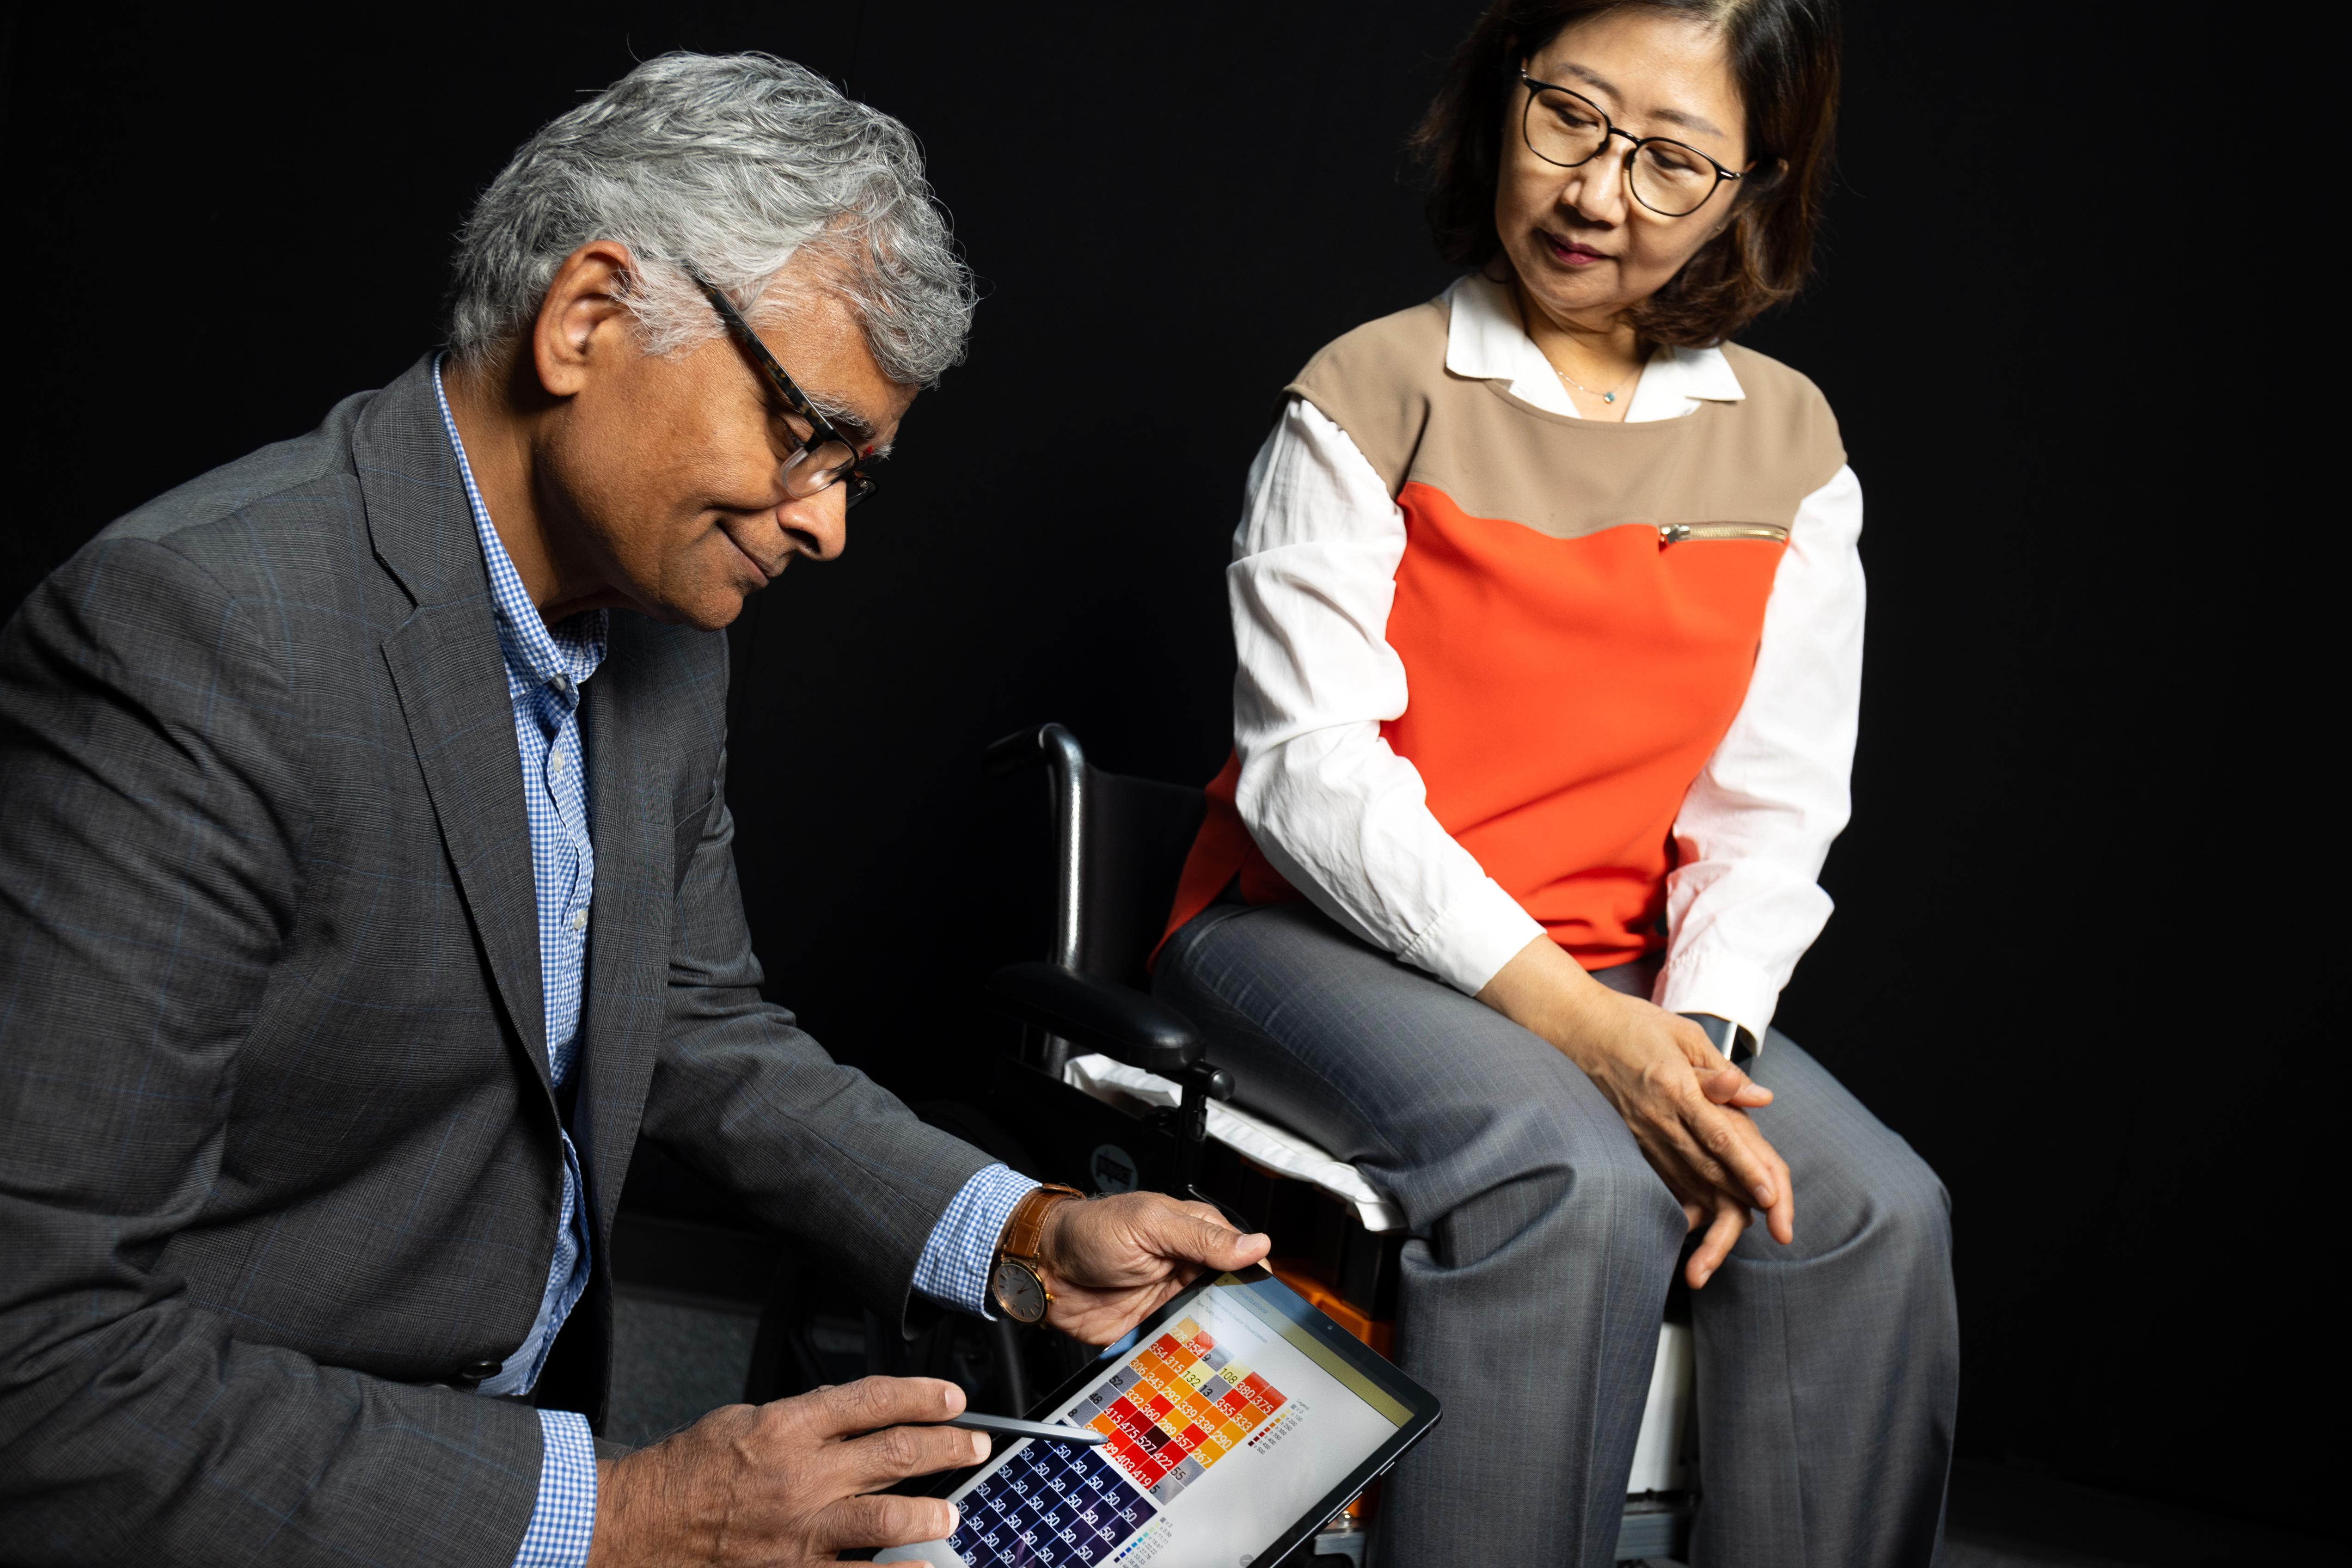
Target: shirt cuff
(565, 1520)
(1719, 984)
(953, 1270)
(1478, 934)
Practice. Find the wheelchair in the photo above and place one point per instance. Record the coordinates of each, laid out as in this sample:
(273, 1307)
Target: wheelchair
(1112, 1091)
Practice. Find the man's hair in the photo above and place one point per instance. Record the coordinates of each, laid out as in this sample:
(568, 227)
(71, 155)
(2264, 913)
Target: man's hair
(734, 163)
(1784, 54)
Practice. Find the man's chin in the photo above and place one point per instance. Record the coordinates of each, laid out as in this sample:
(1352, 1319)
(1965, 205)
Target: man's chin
(716, 613)
(715, 609)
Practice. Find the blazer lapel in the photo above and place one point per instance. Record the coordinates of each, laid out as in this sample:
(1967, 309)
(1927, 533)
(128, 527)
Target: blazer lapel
(632, 755)
(447, 668)
(451, 676)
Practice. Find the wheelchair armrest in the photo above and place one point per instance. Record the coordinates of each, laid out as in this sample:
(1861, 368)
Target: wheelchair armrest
(1100, 1014)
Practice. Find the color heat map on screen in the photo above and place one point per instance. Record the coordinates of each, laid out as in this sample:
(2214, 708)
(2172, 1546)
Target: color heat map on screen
(1177, 1406)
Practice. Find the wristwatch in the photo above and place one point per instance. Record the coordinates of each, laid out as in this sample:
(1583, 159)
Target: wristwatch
(1738, 1045)
(1015, 1279)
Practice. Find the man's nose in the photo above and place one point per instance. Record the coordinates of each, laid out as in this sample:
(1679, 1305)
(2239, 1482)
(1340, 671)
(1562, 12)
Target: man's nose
(817, 526)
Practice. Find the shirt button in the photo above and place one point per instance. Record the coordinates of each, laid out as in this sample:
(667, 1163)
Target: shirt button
(557, 764)
(579, 919)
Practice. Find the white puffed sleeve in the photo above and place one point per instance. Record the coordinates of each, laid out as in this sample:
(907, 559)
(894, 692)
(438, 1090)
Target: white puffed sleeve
(1743, 903)
(1337, 812)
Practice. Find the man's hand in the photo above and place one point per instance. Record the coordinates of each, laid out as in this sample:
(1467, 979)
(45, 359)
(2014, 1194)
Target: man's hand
(1685, 1104)
(1110, 1262)
(785, 1484)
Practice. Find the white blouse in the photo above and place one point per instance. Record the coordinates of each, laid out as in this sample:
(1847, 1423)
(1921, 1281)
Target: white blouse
(1346, 819)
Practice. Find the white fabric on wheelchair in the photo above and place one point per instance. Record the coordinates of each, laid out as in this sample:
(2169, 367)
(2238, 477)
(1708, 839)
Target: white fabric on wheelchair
(1253, 1137)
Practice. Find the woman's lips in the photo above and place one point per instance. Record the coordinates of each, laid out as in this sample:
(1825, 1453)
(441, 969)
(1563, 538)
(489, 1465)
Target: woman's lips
(1568, 253)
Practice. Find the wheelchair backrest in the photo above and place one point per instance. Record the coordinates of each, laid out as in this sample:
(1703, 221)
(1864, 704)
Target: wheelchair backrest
(1120, 845)
(1133, 842)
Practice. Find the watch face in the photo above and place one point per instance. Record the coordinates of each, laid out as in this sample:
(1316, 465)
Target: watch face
(1019, 1292)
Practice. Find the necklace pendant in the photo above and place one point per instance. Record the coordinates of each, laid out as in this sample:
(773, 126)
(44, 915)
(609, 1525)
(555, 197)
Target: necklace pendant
(1608, 397)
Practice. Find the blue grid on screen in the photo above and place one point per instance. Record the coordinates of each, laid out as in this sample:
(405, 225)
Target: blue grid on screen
(1049, 1507)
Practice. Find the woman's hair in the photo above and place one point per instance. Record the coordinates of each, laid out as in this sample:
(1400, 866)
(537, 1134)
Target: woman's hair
(1784, 55)
(733, 162)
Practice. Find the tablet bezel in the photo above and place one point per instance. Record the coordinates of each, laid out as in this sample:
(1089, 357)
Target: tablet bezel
(1369, 1364)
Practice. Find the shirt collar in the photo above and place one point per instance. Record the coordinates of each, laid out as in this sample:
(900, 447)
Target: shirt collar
(1484, 342)
(562, 656)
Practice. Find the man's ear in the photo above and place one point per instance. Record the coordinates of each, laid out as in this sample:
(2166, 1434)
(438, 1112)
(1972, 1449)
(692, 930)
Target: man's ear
(585, 318)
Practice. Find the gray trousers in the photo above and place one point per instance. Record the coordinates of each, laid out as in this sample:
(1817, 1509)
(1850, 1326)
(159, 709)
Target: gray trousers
(1543, 1246)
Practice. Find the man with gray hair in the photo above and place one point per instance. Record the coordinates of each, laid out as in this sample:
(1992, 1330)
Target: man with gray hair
(366, 891)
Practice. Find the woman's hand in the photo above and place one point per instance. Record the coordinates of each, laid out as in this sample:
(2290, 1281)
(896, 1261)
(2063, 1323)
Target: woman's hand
(1686, 1105)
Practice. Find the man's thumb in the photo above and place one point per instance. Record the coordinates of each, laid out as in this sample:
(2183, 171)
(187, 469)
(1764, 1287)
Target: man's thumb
(1226, 1248)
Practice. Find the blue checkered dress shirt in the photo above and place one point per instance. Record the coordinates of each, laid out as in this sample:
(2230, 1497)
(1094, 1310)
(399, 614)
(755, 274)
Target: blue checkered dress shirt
(546, 667)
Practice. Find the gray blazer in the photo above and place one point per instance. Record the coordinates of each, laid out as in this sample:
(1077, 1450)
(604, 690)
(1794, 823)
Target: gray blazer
(278, 1146)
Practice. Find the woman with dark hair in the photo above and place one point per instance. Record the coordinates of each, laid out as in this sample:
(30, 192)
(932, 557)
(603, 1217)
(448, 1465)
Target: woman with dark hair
(1548, 612)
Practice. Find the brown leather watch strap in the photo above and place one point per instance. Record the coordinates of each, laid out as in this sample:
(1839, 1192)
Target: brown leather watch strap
(1026, 1229)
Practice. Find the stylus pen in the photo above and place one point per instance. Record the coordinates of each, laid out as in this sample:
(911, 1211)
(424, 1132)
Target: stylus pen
(1005, 1426)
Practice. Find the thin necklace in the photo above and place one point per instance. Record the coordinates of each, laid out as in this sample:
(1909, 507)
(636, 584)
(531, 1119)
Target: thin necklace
(1608, 396)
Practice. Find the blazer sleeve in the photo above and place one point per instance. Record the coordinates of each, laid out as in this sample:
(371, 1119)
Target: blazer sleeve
(743, 1094)
(149, 788)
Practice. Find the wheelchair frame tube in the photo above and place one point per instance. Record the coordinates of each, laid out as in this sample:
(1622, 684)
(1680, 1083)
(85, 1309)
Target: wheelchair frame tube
(1065, 768)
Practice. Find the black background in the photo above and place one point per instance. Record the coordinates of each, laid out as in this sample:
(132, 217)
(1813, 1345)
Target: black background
(2079, 960)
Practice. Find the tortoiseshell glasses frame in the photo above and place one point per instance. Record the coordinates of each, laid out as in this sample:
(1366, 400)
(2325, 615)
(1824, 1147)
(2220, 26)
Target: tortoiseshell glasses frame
(822, 459)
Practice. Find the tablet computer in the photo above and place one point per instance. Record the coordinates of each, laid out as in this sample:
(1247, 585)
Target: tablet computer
(1239, 1421)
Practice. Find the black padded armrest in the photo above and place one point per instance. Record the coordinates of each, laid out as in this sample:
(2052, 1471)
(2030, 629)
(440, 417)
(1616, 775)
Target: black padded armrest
(1100, 1014)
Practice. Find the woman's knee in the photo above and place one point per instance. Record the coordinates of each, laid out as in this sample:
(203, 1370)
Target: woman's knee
(1911, 1211)
(1642, 1210)
(1546, 1161)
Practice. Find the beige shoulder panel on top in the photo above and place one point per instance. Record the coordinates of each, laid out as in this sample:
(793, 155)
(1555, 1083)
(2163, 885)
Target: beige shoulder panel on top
(1796, 419)
(1754, 461)
(1374, 383)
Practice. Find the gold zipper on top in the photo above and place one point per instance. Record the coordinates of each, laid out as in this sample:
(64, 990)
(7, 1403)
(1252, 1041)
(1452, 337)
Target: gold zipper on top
(1684, 533)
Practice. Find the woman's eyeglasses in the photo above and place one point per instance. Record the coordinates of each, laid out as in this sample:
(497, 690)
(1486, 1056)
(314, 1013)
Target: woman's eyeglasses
(1670, 178)
(821, 459)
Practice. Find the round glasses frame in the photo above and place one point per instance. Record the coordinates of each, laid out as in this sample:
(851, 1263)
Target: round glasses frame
(804, 475)
(1536, 89)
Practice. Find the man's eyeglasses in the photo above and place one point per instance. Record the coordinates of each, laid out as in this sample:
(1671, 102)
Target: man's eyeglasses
(821, 459)
(1668, 177)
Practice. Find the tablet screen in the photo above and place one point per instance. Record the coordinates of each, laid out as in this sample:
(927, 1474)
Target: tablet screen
(1228, 1423)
